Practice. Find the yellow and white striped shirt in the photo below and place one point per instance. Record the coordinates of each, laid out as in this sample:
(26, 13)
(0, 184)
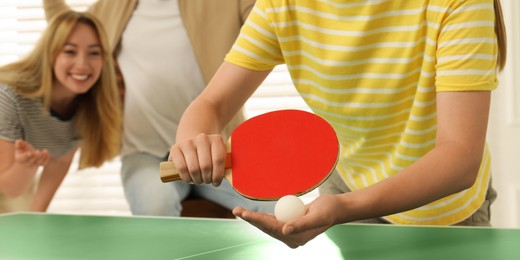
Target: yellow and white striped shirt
(372, 69)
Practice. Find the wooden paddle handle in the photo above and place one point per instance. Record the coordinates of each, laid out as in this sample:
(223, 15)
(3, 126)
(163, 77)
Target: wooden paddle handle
(169, 172)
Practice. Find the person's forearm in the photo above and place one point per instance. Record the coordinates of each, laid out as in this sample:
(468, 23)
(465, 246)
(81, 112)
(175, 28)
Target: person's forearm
(423, 182)
(199, 117)
(50, 180)
(226, 93)
(15, 179)
(47, 187)
(450, 167)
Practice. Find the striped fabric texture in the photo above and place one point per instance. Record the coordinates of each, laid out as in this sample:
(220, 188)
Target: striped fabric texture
(372, 69)
(23, 118)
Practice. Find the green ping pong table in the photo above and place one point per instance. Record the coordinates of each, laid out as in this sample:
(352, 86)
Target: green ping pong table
(30, 236)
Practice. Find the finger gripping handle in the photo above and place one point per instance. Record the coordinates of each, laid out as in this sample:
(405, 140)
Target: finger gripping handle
(168, 171)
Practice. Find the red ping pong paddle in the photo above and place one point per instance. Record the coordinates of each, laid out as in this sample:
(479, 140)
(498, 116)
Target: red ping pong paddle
(285, 152)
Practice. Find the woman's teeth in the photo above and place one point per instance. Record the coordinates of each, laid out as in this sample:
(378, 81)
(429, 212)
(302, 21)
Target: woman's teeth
(79, 77)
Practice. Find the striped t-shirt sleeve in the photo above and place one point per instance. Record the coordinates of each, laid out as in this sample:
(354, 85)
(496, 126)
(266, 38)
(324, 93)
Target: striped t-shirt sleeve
(10, 128)
(467, 48)
(266, 54)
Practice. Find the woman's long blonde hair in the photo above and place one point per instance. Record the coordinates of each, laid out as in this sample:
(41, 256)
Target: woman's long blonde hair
(500, 30)
(98, 116)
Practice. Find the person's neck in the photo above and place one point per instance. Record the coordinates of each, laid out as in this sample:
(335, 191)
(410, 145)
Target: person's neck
(63, 106)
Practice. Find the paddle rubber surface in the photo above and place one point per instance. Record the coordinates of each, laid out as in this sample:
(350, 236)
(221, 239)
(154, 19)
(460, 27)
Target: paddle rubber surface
(282, 152)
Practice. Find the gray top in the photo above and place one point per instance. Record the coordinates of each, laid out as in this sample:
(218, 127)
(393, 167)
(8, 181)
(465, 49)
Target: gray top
(23, 118)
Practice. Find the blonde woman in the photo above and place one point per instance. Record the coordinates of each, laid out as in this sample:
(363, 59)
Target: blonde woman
(59, 98)
(167, 51)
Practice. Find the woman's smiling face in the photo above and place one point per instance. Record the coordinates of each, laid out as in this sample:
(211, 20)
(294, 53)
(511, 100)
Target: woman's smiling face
(79, 62)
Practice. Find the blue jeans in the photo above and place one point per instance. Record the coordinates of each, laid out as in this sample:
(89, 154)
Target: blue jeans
(147, 195)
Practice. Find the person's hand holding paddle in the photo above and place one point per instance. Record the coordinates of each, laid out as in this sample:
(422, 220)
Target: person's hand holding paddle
(198, 160)
(285, 152)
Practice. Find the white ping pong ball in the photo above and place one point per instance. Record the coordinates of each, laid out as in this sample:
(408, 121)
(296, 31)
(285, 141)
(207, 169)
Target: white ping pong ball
(288, 208)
